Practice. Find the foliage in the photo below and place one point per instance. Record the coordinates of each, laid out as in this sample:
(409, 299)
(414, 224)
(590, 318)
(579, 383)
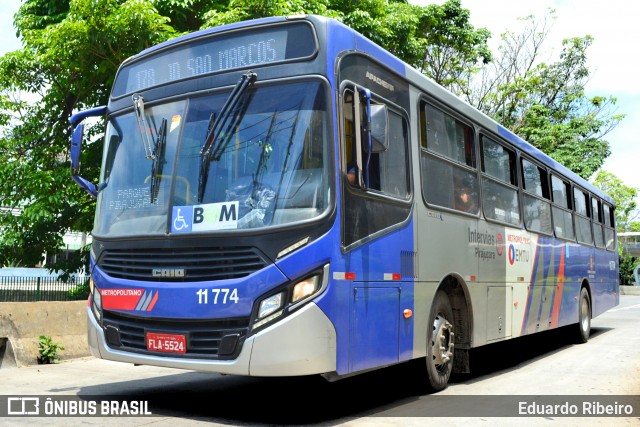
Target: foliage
(545, 103)
(80, 292)
(451, 50)
(48, 350)
(627, 265)
(70, 56)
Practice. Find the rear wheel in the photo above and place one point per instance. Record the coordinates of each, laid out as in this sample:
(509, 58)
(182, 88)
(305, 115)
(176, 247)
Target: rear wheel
(584, 317)
(440, 342)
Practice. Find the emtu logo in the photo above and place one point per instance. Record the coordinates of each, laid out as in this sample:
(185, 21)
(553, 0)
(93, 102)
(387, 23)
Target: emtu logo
(517, 255)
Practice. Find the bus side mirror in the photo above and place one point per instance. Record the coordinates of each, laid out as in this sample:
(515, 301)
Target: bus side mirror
(378, 127)
(76, 146)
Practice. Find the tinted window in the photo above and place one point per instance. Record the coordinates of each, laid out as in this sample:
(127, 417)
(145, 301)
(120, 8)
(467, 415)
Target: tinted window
(583, 222)
(562, 216)
(537, 209)
(448, 161)
(500, 193)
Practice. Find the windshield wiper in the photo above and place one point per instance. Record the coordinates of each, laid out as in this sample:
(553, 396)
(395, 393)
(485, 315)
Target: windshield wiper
(158, 160)
(213, 146)
(143, 127)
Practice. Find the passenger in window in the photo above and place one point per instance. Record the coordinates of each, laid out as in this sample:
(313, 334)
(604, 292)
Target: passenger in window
(466, 199)
(351, 175)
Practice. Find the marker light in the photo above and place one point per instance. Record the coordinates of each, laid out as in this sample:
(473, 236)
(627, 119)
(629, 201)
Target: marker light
(97, 304)
(305, 288)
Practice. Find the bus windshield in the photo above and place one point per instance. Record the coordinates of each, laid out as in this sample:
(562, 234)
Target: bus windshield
(272, 170)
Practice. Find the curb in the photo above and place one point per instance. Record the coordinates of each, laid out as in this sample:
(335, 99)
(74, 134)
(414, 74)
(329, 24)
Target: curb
(22, 323)
(629, 290)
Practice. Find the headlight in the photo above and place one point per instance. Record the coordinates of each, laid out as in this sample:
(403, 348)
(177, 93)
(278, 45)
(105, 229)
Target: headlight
(270, 305)
(290, 297)
(305, 288)
(270, 308)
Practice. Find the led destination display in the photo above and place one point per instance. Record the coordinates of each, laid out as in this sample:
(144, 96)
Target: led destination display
(214, 54)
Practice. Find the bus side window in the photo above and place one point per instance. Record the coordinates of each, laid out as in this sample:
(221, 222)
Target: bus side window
(537, 208)
(609, 224)
(392, 164)
(387, 170)
(368, 208)
(598, 232)
(583, 223)
(561, 209)
(500, 186)
(448, 161)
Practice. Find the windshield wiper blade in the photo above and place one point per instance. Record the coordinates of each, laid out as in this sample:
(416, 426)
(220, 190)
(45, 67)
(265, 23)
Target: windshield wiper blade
(143, 127)
(213, 148)
(158, 160)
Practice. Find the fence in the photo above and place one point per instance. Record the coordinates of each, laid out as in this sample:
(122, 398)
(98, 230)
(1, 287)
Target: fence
(25, 289)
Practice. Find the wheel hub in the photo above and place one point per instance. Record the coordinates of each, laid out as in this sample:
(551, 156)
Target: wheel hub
(584, 311)
(443, 342)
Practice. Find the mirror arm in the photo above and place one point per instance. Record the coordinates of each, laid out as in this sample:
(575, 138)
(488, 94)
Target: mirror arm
(357, 125)
(91, 112)
(366, 94)
(86, 185)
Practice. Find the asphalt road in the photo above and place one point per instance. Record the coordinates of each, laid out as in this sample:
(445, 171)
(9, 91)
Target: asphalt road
(533, 367)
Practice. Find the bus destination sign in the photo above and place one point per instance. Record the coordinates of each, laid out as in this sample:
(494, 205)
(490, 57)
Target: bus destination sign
(216, 54)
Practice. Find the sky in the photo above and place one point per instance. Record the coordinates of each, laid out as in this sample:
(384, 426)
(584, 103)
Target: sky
(611, 58)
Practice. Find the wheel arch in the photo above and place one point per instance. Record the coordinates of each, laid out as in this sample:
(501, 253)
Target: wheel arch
(586, 284)
(456, 289)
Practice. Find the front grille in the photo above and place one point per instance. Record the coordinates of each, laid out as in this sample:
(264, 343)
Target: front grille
(193, 264)
(203, 337)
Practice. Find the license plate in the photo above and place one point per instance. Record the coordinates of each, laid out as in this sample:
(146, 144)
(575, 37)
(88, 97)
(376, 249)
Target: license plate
(166, 343)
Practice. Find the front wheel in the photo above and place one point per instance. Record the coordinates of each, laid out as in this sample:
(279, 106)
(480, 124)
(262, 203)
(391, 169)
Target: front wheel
(584, 317)
(440, 342)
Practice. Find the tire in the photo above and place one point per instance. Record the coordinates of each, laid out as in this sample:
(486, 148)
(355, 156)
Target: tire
(583, 329)
(440, 343)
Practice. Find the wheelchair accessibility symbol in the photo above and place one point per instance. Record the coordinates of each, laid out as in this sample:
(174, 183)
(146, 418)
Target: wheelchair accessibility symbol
(182, 219)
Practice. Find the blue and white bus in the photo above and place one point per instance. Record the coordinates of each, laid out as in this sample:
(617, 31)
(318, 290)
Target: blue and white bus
(283, 197)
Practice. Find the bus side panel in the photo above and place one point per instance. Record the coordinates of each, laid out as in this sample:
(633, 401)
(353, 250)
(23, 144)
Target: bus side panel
(607, 292)
(373, 331)
(558, 271)
(547, 272)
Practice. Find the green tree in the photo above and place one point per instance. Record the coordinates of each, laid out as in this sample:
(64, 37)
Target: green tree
(449, 50)
(545, 103)
(70, 55)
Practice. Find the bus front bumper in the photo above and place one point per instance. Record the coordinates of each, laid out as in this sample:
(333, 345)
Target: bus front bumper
(303, 343)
